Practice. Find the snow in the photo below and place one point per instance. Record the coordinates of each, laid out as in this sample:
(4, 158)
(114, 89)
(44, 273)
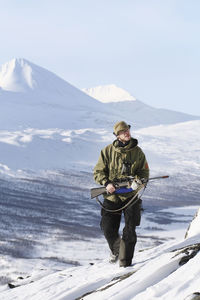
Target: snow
(155, 274)
(51, 135)
(16, 76)
(167, 150)
(178, 145)
(109, 93)
(194, 225)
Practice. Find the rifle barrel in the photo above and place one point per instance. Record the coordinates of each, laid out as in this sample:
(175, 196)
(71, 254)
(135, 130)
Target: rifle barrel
(159, 177)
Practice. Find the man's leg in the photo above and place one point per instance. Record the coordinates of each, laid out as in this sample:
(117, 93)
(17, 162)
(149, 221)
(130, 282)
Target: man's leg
(110, 223)
(132, 215)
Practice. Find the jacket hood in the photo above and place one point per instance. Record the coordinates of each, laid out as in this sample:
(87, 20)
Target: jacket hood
(133, 143)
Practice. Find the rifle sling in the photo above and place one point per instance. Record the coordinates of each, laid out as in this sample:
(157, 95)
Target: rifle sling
(131, 201)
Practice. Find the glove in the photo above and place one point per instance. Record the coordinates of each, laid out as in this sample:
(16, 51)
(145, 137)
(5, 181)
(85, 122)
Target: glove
(136, 183)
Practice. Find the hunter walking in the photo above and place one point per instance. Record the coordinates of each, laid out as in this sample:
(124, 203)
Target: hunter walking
(118, 160)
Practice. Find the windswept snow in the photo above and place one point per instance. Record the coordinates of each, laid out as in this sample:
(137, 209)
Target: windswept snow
(169, 148)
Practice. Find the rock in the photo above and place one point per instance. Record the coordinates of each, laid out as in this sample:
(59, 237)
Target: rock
(194, 296)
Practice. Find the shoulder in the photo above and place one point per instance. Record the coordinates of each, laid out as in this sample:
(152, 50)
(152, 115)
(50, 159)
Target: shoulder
(135, 148)
(139, 149)
(106, 150)
(140, 152)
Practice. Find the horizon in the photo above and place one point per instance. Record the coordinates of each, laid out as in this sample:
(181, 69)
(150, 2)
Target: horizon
(147, 48)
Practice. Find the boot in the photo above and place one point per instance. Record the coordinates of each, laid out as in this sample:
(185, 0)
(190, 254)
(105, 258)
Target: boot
(115, 250)
(124, 255)
(125, 263)
(113, 258)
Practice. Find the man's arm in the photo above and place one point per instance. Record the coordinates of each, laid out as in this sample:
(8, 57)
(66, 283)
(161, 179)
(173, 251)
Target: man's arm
(101, 173)
(143, 167)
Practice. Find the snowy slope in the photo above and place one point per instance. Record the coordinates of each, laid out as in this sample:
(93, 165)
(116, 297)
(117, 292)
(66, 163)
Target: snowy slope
(169, 148)
(22, 76)
(169, 271)
(31, 96)
(178, 144)
(50, 137)
(17, 76)
(130, 108)
(143, 115)
(42, 115)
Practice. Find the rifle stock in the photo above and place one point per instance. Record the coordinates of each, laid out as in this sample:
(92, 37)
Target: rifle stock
(95, 192)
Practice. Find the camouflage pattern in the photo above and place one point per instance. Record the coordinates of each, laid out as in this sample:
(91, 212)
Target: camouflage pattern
(110, 166)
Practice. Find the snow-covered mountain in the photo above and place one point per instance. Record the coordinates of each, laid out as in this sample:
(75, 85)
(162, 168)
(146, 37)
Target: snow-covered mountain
(130, 108)
(24, 77)
(109, 93)
(17, 76)
(42, 115)
(31, 96)
(51, 134)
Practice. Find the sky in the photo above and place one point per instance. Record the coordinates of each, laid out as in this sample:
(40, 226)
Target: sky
(151, 48)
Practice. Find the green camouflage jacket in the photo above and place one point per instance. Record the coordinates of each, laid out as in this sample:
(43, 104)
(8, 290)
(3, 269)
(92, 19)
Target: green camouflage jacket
(110, 166)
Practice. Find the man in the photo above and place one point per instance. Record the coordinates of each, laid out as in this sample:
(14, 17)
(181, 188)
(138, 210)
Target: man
(118, 160)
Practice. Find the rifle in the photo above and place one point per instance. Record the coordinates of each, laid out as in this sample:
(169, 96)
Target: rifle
(124, 185)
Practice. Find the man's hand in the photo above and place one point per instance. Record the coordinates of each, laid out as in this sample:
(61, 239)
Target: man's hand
(110, 188)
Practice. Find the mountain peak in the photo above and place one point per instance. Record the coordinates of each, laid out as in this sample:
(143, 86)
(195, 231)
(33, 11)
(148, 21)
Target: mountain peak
(109, 93)
(17, 75)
